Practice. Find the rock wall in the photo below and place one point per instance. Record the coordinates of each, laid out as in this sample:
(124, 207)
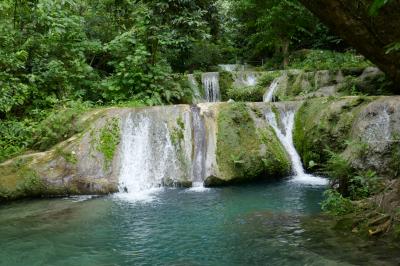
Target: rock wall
(364, 130)
(300, 84)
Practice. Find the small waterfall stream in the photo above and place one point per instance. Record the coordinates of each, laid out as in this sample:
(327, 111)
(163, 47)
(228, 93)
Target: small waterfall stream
(285, 136)
(284, 132)
(269, 94)
(210, 82)
(250, 80)
(199, 149)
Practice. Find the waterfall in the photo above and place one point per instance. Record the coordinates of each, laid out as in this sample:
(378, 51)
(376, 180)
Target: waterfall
(162, 146)
(269, 95)
(250, 80)
(210, 82)
(285, 136)
(147, 156)
(199, 149)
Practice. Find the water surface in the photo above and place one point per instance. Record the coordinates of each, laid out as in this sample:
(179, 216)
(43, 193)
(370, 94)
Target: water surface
(255, 224)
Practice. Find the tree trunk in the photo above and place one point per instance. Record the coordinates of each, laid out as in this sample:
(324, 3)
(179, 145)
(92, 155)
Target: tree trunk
(370, 35)
(285, 52)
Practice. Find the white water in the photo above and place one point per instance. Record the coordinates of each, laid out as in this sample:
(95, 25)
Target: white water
(199, 149)
(250, 80)
(285, 136)
(268, 96)
(210, 82)
(148, 157)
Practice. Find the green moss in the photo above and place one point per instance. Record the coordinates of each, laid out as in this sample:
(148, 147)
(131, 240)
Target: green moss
(275, 159)
(177, 139)
(69, 156)
(243, 152)
(108, 140)
(324, 124)
(177, 134)
(18, 180)
(246, 94)
(252, 93)
(277, 113)
(267, 78)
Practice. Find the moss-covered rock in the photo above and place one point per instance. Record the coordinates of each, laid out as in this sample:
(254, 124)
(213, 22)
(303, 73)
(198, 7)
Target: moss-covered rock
(364, 130)
(323, 124)
(84, 164)
(247, 148)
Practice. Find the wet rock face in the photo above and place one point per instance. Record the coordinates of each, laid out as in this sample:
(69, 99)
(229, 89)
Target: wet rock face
(368, 34)
(378, 127)
(300, 84)
(365, 130)
(246, 146)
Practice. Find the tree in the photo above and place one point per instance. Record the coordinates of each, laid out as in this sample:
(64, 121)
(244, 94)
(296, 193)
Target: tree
(272, 27)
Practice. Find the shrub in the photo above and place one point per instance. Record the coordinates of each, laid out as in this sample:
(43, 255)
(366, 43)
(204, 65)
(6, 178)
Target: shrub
(363, 185)
(326, 60)
(336, 204)
(60, 124)
(16, 136)
(246, 94)
(339, 170)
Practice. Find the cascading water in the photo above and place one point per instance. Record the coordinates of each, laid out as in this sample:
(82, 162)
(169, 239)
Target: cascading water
(157, 149)
(250, 80)
(199, 149)
(285, 136)
(210, 82)
(269, 95)
(148, 156)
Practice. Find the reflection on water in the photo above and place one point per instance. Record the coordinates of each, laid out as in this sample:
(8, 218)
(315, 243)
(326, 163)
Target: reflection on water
(257, 224)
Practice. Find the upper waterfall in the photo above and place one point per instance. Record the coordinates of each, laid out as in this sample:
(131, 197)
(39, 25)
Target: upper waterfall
(210, 82)
(270, 93)
(232, 67)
